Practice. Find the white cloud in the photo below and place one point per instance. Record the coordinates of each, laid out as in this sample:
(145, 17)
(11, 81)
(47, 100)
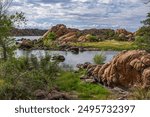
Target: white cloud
(83, 13)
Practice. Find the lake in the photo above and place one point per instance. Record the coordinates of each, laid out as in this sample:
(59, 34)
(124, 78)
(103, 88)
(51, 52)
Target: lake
(27, 37)
(71, 59)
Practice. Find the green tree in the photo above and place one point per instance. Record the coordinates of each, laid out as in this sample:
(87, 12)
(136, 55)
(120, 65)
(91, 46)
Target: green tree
(7, 23)
(143, 35)
(147, 21)
(51, 36)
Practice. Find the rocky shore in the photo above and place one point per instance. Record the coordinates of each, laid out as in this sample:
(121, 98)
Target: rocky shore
(64, 36)
(127, 70)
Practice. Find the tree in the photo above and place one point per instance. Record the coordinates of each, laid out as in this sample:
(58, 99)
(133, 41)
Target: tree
(51, 36)
(147, 21)
(7, 23)
(142, 39)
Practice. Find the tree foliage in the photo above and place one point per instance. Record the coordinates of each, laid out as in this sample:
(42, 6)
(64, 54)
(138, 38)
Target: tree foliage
(143, 35)
(7, 23)
(51, 36)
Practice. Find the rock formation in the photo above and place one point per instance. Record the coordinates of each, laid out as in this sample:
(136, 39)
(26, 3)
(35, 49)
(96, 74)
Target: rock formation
(65, 35)
(126, 70)
(60, 30)
(124, 34)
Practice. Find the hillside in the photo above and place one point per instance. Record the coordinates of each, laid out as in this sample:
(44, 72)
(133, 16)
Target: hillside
(27, 32)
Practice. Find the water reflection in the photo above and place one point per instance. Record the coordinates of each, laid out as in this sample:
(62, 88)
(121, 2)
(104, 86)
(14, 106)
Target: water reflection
(71, 59)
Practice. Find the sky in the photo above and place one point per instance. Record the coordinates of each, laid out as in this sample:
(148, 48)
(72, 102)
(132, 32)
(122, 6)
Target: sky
(83, 14)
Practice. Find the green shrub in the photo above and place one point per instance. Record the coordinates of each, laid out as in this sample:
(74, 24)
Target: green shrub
(51, 36)
(140, 94)
(143, 42)
(92, 38)
(99, 58)
(21, 77)
(70, 82)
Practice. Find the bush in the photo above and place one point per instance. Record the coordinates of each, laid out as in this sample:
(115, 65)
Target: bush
(49, 40)
(70, 82)
(99, 58)
(92, 38)
(140, 94)
(51, 36)
(20, 78)
(143, 42)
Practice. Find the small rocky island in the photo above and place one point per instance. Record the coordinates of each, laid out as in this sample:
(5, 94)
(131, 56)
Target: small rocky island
(60, 37)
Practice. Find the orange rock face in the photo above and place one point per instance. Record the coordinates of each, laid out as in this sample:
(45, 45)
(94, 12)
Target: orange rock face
(59, 30)
(126, 70)
(125, 34)
(66, 35)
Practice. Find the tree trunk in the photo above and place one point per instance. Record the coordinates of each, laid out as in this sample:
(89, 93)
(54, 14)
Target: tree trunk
(4, 53)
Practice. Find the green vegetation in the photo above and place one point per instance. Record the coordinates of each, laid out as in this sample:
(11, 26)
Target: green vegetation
(108, 45)
(143, 35)
(51, 36)
(143, 42)
(49, 40)
(99, 58)
(140, 94)
(20, 78)
(70, 82)
(7, 22)
(92, 38)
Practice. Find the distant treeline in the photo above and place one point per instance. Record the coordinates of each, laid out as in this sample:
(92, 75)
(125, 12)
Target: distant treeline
(27, 32)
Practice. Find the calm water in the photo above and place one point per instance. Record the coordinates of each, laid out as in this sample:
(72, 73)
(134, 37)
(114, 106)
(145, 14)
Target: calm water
(27, 37)
(71, 59)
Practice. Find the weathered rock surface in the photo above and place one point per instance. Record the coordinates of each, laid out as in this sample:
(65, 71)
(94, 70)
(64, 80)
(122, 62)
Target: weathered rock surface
(126, 70)
(60, 30)
(25, 44)
(124, 34)
(65, 35)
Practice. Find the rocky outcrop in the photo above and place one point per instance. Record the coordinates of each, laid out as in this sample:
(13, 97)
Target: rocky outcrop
(126, 70)
(25, 44)
(125, 35)
(65, 35)
(59, 58)
(69, 37)
(60, 30)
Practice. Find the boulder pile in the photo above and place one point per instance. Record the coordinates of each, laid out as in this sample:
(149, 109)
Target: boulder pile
(125, 35)
(65, 35)
(127, 69)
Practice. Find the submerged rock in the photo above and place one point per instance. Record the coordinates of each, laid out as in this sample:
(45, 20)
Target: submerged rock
(25, 44)
(58, 58)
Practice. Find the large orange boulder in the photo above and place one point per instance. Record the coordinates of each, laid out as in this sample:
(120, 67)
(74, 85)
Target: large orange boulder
(126, 35)
(126, 70)
(60, 30)
(69, 37)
